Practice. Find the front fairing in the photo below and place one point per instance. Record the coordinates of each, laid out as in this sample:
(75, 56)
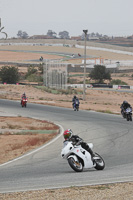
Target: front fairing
(81, 153)
(24, 100)
(84, 155)
(128, 110)
(67, 149)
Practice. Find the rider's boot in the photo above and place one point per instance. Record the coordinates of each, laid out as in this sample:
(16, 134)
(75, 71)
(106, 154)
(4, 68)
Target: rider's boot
(92, 154)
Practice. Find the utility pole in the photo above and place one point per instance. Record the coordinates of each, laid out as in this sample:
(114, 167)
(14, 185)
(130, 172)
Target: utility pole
(84, 85)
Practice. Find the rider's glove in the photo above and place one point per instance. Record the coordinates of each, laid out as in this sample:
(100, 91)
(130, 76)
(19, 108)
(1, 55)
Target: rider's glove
(79, 142)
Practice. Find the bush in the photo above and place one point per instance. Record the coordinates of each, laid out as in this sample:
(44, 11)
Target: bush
(59, 91)
(118, 82)
(34, 78)
(40, 68)
(9, 75)
(31, 70)
(72, 81)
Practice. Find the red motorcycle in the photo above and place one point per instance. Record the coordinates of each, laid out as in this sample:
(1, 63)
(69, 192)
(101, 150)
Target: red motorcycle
(24, 102)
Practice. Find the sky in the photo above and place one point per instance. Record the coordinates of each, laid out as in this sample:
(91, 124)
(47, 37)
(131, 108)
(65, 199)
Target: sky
(36, 17)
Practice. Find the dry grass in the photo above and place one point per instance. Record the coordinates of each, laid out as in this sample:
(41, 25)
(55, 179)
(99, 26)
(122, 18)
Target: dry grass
(38, 140)
(19, 139)
(13, 146)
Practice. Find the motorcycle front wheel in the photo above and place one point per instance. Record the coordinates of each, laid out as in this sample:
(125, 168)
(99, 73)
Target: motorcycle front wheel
(76, 166)
(128, 117)
(100, 164)
(77, 108)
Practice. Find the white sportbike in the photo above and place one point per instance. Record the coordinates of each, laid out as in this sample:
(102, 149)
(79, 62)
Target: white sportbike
(79, 159)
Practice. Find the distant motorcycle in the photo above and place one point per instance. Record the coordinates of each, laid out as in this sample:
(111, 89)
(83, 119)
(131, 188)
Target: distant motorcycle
(76, 105)
(24, 102)
(128, 114)
(79, 159)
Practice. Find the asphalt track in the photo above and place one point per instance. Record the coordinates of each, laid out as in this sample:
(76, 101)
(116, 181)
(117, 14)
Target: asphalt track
(111, 135)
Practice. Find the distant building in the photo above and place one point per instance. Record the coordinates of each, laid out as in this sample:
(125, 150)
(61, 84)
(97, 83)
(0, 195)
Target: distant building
(76, 38)
(41, 37)
(93, 38)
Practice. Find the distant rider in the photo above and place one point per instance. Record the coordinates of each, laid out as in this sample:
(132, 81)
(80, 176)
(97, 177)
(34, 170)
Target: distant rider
(124, 106)
(76, 140)
(23, 97)
(75, 100)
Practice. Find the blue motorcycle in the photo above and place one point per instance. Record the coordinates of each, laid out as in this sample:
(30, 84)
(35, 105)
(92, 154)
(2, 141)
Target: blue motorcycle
(76, 105)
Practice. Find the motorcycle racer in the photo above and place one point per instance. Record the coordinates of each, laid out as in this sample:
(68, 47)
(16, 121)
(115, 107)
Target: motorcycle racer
(74, 100)
(124, 106)
(76, 140)
(23, 96)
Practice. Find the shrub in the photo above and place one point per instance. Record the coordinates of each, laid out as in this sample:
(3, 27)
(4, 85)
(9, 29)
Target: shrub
(40, 68)
(31, 70)
(118, 82)
(59, 91)
(34, 78)
(9, 74)
(72, 81)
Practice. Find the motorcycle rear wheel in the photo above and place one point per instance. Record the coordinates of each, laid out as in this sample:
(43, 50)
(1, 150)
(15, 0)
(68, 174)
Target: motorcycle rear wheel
(100, 164)
(76, 166)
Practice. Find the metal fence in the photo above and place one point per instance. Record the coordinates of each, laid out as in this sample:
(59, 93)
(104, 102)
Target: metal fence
(55, 74)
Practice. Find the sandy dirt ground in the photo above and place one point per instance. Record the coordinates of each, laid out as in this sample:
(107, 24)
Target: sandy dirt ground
(12, 56)
(118, 191)
(11, 53)
(19, 135)
(98, 100)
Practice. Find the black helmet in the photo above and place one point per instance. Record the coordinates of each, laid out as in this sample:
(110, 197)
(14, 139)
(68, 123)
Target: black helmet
(75, 97)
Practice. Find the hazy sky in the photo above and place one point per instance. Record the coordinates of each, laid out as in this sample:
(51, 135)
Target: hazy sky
(110, 17)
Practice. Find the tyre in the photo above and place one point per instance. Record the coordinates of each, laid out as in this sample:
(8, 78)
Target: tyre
(25, 105)
(77, 108)
(128, 117)
(124, 115)
(100, 164)
(76, 166)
